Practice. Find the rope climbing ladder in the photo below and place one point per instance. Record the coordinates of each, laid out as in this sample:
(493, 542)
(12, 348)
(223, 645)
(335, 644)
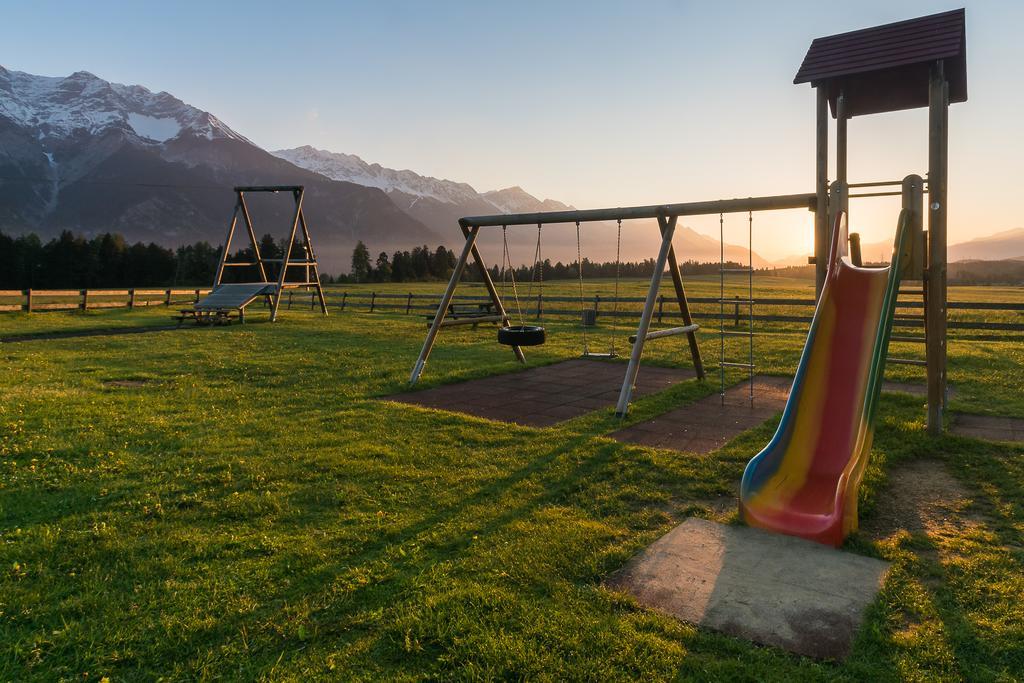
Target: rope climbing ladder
(723, 273)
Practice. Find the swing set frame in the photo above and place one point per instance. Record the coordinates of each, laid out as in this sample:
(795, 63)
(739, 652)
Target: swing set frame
(667, 216)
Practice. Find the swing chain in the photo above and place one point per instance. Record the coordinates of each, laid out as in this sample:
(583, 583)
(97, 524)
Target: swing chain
(615, 297)
(538, 268)
(506, 256)
(579, 263)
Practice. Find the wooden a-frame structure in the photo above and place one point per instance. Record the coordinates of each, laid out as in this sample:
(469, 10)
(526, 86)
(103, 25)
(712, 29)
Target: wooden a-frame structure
(273, 290)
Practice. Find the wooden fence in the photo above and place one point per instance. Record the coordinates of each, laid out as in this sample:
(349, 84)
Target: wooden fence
(782, 310)
(35, 300)
(910, 313)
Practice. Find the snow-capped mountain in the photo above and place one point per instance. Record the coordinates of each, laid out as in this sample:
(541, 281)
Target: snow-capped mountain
(440, 203)
(349, 167)
(84, 154)
(82, 103)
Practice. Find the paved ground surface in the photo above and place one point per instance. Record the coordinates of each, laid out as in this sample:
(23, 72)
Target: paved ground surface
(543, 396)
(769, 588)
(988, 427)
(710, 423)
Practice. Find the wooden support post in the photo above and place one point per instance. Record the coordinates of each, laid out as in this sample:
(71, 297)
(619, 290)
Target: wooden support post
(85, 299)
(684, 307)
(499, 307)
(311, 257)
(28, 300)
(668, 228)
(197, 297)
(938, 112)
(408, 304)
(821, 227)
(373, 301)
(286, 257)
(167, 299)
(252, 237)
(344, 298)
(841, 139)
(131, 299)
(227, 245)
(446, 300)
(661, 307)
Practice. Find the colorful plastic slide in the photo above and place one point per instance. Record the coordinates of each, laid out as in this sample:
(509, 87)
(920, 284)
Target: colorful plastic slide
(805, 481)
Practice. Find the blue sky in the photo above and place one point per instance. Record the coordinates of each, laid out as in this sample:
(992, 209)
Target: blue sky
(592, 103)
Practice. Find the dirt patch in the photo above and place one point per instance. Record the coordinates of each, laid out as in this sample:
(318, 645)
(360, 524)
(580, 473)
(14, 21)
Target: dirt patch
(921, 496)
(126, 383)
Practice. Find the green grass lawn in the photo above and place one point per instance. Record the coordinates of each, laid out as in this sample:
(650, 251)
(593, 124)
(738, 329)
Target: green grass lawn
(252, 509)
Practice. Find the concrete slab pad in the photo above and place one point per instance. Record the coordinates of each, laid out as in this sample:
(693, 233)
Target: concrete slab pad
(708, 424)
(769, 588)
(989, 427)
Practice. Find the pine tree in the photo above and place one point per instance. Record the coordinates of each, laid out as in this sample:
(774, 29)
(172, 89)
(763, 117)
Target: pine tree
(360, 262)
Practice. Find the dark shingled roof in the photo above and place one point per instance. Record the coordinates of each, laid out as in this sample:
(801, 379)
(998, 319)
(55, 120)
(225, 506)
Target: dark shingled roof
(885, 68)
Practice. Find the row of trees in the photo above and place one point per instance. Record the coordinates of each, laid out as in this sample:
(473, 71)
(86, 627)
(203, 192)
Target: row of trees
(403, 266)
(423, 264)
(72, 261)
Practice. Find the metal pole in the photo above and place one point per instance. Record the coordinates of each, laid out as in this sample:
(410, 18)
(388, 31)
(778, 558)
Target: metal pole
(938, 103)
(668, 228)
(821, 229)
(446, 300)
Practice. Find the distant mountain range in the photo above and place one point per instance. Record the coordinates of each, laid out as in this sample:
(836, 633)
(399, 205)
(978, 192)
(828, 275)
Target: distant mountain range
(83, 154)
(439, 204)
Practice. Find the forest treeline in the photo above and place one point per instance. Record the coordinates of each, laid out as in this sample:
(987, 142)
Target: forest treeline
(72, 261)
(423, 264)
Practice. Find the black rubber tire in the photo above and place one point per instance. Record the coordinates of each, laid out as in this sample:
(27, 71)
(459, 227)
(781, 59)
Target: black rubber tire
(521, 335)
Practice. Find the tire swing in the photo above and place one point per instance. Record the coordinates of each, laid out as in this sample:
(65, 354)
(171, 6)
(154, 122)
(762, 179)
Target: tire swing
(521, 334)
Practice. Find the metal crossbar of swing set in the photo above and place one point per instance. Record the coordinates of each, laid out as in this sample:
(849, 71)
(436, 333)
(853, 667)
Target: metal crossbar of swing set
(770, 203)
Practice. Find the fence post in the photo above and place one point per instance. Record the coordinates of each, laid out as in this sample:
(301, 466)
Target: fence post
(736, 312)
(28, 300)
(661, 306)
(373, 300)
(312, 296)
(197, 297)
(408, 304)
(290, 300)
(597, 302)
(131, 299)
(167, 301)
(344, 297)
(85, 299)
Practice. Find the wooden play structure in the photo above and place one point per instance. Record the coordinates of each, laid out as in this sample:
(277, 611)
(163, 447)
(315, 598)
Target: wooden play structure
(228, 300)
(908, 64)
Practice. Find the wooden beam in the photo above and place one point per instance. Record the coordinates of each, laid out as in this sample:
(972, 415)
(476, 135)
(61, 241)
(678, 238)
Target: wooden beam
(491, 290)
(770, 203)
(276, 303)
(684, 307)
(668, 228)
(227, 243)
(821, 229)
(935, 315)
(442, 307)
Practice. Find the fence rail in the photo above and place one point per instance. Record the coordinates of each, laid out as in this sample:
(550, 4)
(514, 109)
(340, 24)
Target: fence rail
(39, 300)
(423, 304)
